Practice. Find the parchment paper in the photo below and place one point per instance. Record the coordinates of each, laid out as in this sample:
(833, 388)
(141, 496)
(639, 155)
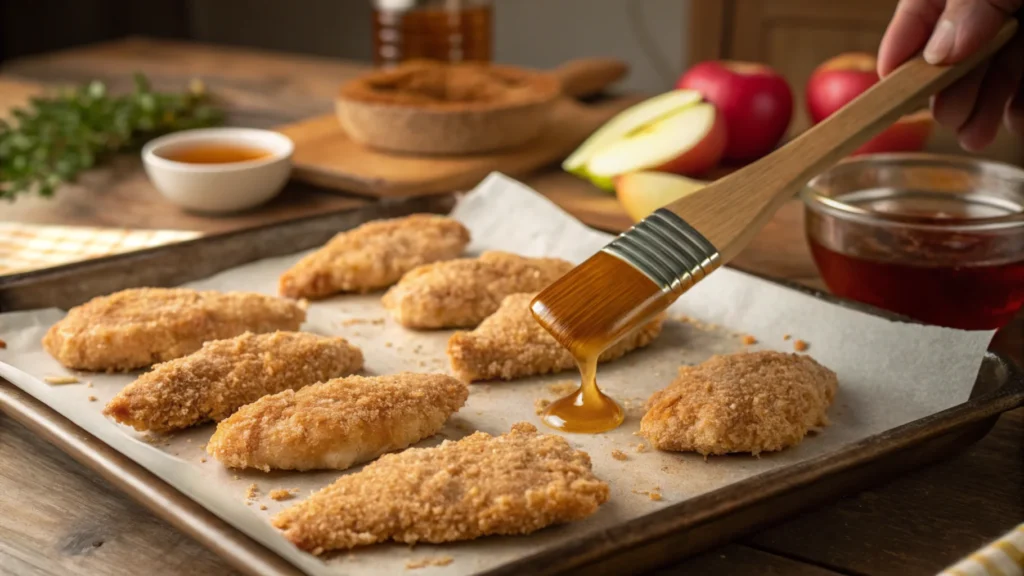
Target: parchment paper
(890, 374)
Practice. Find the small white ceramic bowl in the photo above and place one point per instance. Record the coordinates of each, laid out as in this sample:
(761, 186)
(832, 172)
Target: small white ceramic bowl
(223, 187)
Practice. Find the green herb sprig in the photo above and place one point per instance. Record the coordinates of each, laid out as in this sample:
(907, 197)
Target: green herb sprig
(55, 138)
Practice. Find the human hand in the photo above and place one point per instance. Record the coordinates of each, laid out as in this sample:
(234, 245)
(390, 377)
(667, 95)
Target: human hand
(949, 31)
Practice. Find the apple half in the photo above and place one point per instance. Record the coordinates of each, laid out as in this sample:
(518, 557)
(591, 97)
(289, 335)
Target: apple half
(908, 134)
(624, 123)
(689, 142)
(641, 193)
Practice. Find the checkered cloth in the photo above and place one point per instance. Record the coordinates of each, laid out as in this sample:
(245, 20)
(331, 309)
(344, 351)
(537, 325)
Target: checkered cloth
(25, 247)
(1003, 557)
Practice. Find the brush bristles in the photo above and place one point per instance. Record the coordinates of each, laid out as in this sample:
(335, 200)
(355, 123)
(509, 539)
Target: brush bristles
(597, 303)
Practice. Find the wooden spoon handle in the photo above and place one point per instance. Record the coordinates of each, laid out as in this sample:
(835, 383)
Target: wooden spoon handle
(730, 211)
(588, 76)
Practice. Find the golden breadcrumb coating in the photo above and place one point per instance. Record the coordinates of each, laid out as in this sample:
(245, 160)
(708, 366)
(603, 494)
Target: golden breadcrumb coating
(745, 402)
(336, 424)
(515, 483)
(461, 293)
(374, 255)
(511, 344)
(139, 327)
(225, 375)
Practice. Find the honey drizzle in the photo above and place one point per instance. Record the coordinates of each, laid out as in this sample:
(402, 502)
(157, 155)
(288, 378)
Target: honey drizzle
(587, 409)
(622, 299)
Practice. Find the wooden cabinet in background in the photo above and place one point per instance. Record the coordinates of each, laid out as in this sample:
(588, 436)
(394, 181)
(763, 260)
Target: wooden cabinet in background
(795, 36)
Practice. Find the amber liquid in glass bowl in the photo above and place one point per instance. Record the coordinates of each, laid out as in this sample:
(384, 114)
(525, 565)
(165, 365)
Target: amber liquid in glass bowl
(928, 270)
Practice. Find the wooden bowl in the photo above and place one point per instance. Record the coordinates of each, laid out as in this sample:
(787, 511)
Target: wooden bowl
(437, 109)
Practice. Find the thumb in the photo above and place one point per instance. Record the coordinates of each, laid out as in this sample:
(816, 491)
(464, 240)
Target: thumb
(965, 26)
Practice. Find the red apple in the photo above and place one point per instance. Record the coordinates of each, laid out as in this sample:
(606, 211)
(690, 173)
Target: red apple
(908, 134)
(641, 193)
(755, 100)
(841, 79)
(837, 81)
(689, 141)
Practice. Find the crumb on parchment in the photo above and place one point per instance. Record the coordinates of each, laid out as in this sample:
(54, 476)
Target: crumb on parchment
(800, 345)
(202, 460)
(641, 447)
(282, 494)
(654, 493)
(88, 384)
(354, 321)
(263, 506)
(2, 344)
(235, 477)
(540, 405)
(749, 340)
(251, 491)
(696, 323)
(92, 398)
(619, 455)
(787, 336)
(61, 380)
(424, 562)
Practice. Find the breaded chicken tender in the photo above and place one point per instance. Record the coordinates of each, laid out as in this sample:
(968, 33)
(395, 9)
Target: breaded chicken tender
(374, 255)
(139, 327)
(747, 402)
(338, 423)
(511, 344)
(515, 483)
(461, 293)
(225, 375)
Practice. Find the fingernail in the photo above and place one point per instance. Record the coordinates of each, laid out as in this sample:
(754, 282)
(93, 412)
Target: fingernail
(969, 143)
(1013, 123)
(967, 147)
(941, 43)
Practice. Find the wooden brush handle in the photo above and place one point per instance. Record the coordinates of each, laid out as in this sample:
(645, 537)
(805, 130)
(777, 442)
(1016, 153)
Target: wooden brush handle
(731, 210)
(588, 76)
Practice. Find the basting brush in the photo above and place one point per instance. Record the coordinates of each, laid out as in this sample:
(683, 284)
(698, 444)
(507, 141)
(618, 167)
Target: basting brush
(646, 268)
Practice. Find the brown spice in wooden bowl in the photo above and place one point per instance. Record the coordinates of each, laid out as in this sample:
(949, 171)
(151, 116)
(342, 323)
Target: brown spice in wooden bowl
(434, 108)
(439, 86)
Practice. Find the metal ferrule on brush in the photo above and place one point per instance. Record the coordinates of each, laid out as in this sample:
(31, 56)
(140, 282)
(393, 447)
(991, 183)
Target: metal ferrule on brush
(667, 250)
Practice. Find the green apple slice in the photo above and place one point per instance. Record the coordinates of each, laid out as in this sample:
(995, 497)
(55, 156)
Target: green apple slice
(624, 123)
(688, 141)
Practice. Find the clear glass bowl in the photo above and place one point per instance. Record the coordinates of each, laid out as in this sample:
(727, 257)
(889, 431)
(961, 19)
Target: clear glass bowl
(936, 238)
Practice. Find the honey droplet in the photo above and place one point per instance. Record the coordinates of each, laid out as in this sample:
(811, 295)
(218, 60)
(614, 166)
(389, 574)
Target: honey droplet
(587, 410)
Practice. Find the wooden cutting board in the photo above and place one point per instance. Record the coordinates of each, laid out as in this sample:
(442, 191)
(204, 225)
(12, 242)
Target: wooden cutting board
(326, 157)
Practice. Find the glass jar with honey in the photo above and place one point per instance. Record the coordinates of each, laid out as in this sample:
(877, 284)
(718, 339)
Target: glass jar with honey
(939, 239)
(444, 30)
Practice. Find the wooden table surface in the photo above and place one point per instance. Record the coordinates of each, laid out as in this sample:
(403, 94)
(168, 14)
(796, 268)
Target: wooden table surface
(58, 518)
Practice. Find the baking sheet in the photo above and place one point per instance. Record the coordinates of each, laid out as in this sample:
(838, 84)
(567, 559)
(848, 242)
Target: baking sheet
(890, 374)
